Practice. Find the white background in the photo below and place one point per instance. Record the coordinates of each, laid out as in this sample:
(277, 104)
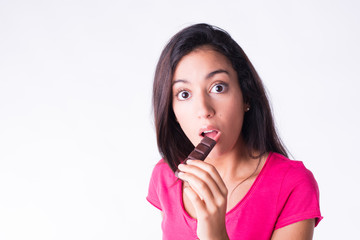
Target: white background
(77, 141)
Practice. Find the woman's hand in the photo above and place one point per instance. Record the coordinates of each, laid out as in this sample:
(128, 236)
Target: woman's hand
(208, 195)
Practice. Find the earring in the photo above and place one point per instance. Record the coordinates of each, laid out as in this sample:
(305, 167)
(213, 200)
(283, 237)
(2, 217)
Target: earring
(247, 109)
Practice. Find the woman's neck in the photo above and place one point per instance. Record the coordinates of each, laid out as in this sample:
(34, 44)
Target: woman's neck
(235, 164)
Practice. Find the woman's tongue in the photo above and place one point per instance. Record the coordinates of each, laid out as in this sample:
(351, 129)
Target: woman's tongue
(211, 135)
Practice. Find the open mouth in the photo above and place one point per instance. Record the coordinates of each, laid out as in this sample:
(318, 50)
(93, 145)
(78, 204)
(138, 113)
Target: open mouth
(213, 134)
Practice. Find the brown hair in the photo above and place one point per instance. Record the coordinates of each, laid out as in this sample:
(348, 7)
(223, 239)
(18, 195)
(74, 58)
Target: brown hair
(258, 131)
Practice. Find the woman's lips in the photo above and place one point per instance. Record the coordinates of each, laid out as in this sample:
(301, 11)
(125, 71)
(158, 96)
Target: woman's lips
(210, 132)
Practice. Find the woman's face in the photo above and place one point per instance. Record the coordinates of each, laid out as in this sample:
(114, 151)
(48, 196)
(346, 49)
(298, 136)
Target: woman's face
(207, 98)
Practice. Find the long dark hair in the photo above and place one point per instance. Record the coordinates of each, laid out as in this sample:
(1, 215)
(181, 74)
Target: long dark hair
(258, 130)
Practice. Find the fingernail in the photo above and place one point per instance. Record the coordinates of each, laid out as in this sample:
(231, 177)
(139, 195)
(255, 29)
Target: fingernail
(177, 173)
(181, 166)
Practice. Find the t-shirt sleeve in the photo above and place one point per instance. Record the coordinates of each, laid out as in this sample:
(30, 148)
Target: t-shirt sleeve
(153, 193)
(299, 197)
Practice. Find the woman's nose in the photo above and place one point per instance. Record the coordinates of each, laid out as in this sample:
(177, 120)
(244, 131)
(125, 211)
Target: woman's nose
(204, 107)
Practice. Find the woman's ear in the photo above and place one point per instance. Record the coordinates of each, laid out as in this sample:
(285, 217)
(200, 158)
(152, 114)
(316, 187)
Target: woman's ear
(247, 107)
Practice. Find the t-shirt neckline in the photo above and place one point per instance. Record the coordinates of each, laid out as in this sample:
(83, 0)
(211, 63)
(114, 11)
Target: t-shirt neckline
(239, 204)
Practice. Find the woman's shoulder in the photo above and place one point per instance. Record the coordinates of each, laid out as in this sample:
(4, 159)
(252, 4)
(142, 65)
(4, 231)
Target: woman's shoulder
(162, 172)
(294, 171)
(162, 165)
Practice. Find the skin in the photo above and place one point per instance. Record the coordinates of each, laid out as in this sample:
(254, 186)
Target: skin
(206, 93)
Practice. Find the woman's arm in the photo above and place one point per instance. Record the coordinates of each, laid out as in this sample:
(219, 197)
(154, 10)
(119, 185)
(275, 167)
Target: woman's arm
(302, 230)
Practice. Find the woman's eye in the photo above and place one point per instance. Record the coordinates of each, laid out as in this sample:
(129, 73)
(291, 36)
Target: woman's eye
(218, 88)
(183, 95)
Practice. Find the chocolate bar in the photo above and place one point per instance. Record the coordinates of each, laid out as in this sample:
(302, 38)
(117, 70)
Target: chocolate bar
(203, 149)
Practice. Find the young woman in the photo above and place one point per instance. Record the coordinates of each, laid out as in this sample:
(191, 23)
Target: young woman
(246, 188)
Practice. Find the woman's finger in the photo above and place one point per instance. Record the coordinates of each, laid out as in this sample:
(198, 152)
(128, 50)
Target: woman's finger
(201, 188)
(210, 170)
(203, 179)
(199, 205)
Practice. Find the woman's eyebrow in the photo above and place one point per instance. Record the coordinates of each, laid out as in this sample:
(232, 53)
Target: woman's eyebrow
(210, 75)
(179, 80)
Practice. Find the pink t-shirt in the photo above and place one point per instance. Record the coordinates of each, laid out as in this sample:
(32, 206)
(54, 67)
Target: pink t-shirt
(284, 192)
